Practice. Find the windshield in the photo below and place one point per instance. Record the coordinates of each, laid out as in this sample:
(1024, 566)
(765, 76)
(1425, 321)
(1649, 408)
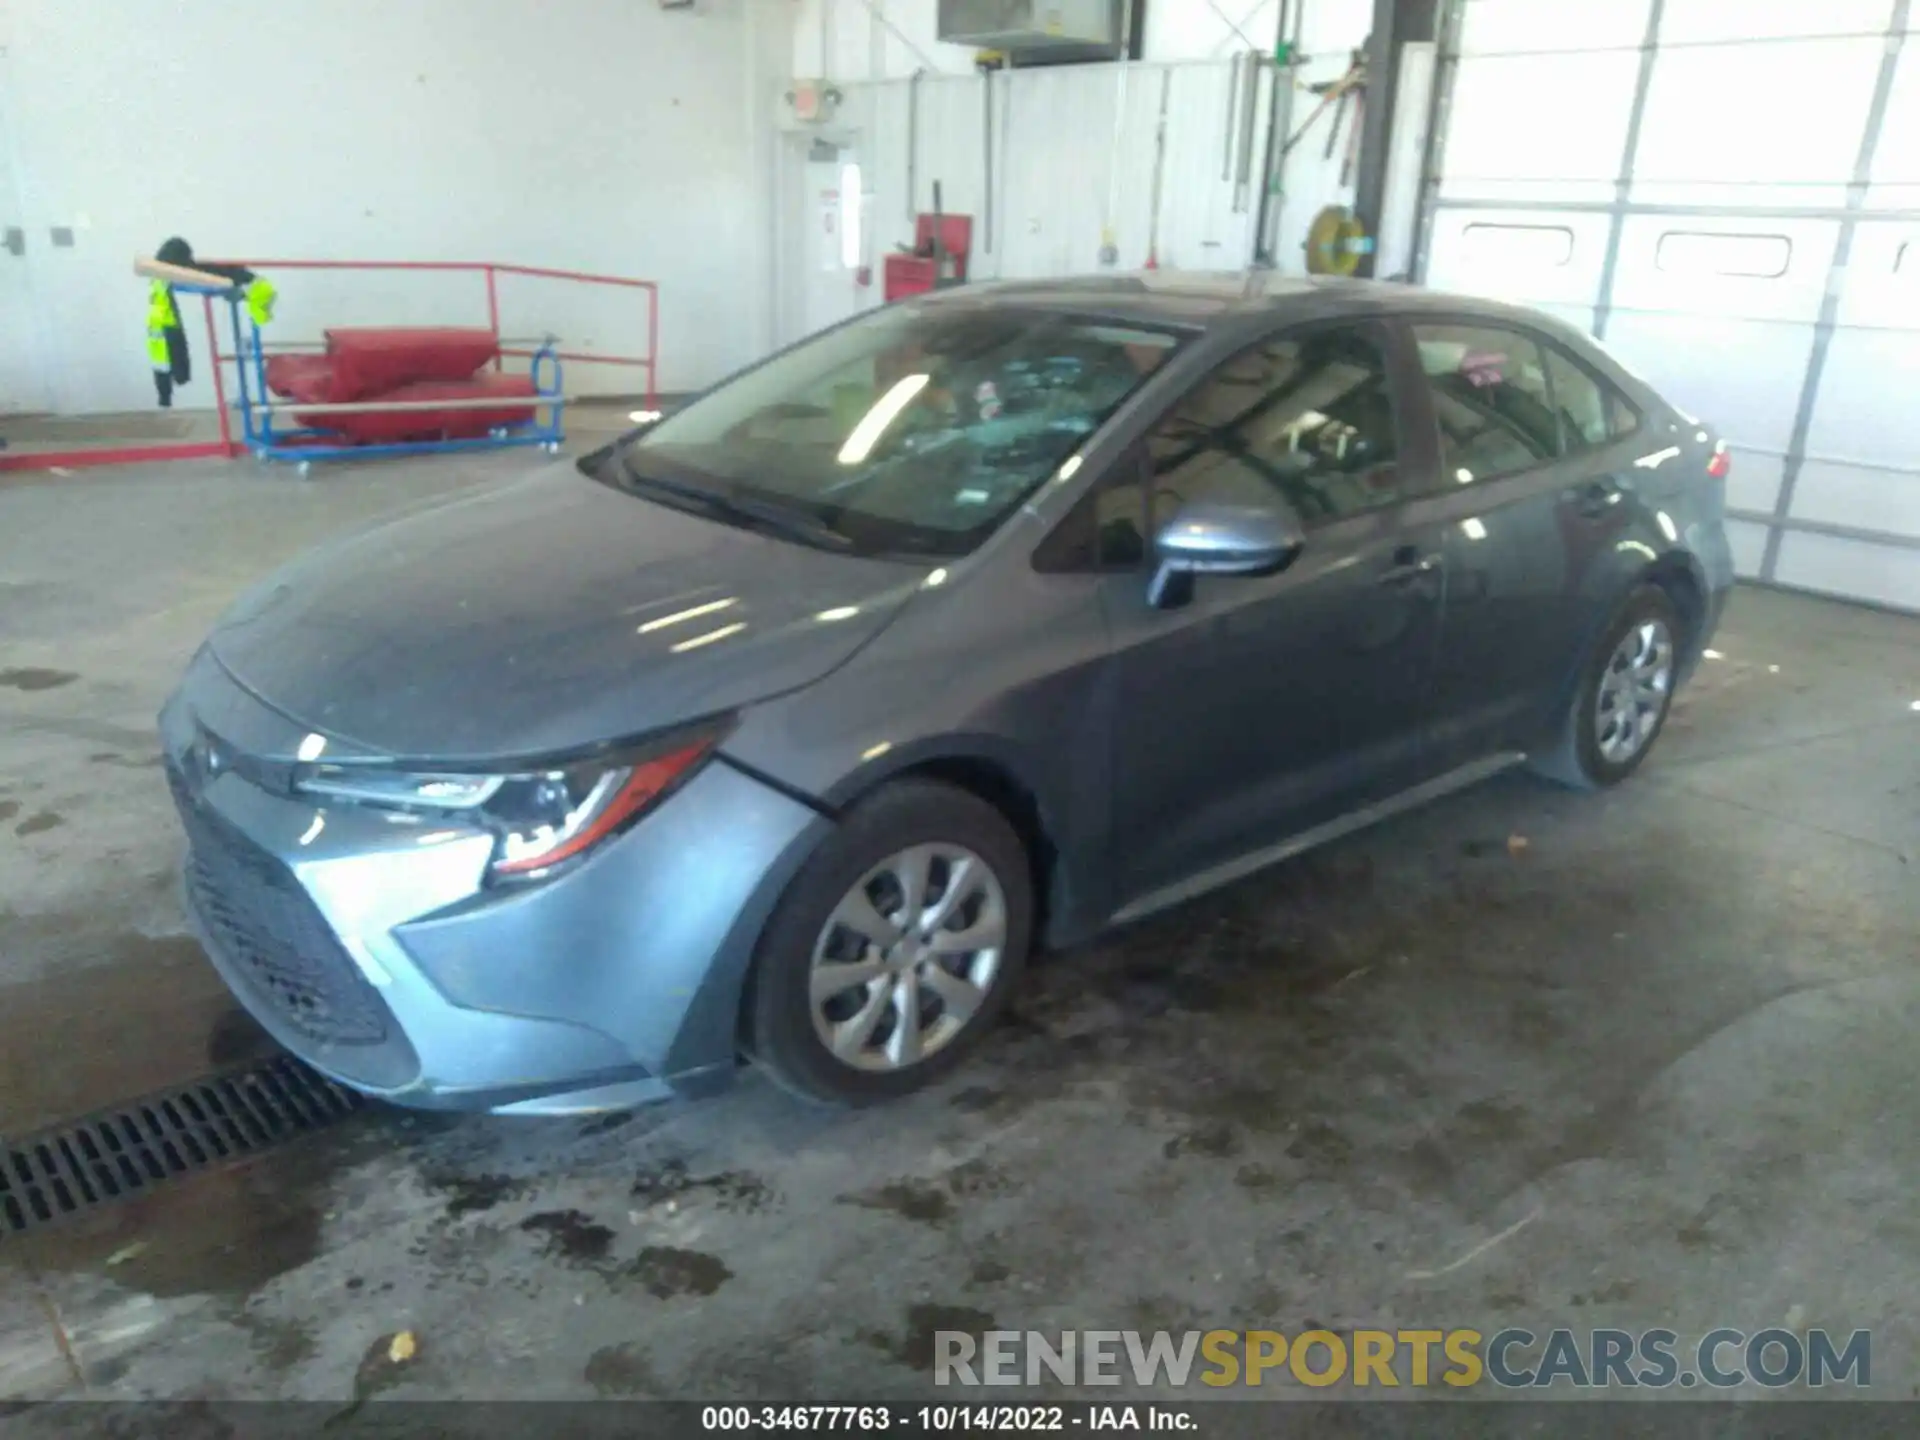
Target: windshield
(916, 429)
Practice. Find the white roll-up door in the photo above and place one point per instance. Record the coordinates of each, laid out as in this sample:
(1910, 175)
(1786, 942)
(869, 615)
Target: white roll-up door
(1728, 193)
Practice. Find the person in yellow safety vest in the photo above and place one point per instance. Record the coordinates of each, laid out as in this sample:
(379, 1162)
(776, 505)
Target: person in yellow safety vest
(167, 349)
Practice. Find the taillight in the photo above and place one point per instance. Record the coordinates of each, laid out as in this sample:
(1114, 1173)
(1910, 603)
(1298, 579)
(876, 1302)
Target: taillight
(1721, 462)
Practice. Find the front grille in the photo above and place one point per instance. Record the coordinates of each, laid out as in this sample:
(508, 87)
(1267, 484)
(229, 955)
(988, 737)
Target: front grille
(264, 924)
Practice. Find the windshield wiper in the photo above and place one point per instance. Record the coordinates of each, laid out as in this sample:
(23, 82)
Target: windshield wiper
(738, 509)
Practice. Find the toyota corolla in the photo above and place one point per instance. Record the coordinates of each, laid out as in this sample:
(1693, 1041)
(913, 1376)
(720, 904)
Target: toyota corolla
(788, 727)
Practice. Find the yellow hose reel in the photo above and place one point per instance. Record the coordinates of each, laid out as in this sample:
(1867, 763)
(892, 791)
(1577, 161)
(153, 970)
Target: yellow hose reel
(1335, 242)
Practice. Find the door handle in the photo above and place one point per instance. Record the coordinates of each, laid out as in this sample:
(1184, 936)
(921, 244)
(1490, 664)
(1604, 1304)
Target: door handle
(1593, 498)
(1409, 565)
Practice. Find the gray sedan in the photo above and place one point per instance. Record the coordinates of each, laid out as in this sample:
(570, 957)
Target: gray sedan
(792, 725)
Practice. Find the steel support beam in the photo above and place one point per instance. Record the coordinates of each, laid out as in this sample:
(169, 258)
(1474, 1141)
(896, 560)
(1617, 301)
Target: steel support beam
(1396, 23)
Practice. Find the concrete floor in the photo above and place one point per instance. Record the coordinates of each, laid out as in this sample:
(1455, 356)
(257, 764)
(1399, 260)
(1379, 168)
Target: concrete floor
(1664, 1048)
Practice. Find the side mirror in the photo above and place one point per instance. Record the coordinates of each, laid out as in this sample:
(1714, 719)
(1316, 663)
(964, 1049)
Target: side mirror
(1214, 537)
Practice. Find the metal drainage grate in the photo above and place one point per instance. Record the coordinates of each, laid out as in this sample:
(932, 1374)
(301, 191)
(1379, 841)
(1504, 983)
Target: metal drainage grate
(127, 1149)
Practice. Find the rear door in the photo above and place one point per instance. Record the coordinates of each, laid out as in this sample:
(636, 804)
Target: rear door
(1531, 510)
(1265, 705)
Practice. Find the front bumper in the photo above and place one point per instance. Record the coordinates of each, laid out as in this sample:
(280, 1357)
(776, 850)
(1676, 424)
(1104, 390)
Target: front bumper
(369, 943)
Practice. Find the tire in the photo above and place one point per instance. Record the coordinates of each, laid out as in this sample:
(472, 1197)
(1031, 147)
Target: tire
(946, 836)
(1589, 752)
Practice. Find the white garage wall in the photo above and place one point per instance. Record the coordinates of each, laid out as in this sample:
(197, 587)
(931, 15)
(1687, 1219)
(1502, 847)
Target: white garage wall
(600, 135)
(1727, 191)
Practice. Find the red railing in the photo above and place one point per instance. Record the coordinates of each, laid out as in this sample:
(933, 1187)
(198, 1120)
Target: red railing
(489, 271)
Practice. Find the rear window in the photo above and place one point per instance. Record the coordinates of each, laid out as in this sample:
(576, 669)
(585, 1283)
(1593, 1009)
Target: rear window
(1490, 396)
(1592, 413)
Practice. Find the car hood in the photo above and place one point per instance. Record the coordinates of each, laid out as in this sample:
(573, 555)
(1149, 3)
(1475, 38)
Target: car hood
(550, 615)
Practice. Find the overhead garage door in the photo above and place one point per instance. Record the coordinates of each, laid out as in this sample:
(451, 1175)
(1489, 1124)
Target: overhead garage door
(1728, 193)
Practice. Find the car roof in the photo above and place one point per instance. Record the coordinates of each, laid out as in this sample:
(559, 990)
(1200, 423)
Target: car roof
(1204, 300)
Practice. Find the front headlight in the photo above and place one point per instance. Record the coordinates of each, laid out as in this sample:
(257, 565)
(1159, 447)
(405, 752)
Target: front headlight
(541, 817)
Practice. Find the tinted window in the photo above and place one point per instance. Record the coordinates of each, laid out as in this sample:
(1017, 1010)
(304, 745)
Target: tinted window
(1308, 416)
(1490, 397)
(1622, 418)
(916, 428)
(1106, 530)
(1591, 411)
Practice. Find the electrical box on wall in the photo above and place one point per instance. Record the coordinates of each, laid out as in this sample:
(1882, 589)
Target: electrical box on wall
(1049, 29)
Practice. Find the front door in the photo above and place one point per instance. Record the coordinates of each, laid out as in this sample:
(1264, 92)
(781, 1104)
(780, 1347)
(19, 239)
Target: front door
(1262, 707)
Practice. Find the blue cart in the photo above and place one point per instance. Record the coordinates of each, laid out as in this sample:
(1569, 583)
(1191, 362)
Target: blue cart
(302, 445)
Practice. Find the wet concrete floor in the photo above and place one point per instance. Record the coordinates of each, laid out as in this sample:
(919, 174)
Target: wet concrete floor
(1660, 1054)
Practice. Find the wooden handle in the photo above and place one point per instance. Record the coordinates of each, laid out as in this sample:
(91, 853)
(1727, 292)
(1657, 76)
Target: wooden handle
(179, 274)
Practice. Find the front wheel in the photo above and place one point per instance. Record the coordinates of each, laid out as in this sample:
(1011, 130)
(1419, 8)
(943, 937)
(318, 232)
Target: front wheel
(894, 949)
(1621, 702)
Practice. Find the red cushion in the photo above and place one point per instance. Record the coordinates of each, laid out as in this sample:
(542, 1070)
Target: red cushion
(393, 426)
(367, 362)
(301, 377)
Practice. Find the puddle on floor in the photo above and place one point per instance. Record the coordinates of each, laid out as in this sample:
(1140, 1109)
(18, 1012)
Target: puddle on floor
(120, 1015)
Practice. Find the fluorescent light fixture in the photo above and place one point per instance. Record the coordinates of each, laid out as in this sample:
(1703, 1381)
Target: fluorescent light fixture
(938, 577)
(1667, 527)
(311, 748)
(680, 616)
(1465, 477)
(695, 642)
(1070, 469)
(643, 417)
(1473, 529)
(850, 216)
(874, 423)
(839, 612)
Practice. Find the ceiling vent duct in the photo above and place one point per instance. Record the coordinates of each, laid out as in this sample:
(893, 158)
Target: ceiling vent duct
(1036, 30)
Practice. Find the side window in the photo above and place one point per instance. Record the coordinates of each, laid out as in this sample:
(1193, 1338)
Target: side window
(1582, 403)
(1622, 418)
(1490, 396)
(1592, 412)
(1106, 530)
(1309, 416)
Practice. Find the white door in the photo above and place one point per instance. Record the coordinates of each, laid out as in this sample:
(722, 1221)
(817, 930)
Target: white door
(23, 381)
(1728, 194)
(827, 208)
